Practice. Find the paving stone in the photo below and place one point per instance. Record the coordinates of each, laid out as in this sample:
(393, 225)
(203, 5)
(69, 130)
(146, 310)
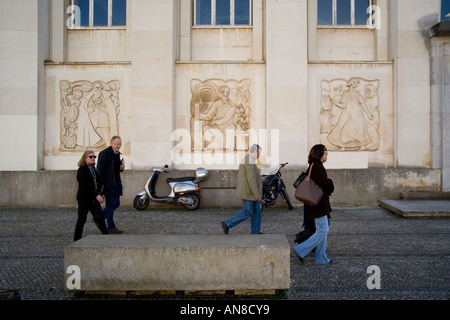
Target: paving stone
(413, 254)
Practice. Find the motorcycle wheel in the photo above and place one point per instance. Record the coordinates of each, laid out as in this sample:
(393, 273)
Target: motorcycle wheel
(196, 203)
(140, 204)
(286, 198)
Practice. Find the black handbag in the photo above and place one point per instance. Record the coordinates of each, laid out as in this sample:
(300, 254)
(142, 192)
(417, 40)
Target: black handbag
(304, 235)
(300, 178)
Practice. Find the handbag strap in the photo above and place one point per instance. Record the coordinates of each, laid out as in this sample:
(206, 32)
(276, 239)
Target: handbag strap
(309, 173)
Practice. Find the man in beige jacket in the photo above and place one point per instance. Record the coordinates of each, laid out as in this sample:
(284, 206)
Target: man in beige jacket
(249, 189)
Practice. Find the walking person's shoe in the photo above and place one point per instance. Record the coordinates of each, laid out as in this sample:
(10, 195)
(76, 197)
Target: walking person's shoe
(300, 259)
(115, 231)
(225, 227)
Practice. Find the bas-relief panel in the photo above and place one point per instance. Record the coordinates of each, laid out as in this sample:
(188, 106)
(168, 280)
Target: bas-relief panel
(89, 114)
(220, 114)
(349, 115)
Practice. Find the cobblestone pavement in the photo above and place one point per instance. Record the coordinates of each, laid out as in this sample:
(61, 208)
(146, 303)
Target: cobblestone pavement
(412, 254)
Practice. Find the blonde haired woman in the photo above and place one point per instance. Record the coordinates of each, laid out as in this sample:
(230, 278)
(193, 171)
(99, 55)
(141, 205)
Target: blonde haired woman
(89, 196)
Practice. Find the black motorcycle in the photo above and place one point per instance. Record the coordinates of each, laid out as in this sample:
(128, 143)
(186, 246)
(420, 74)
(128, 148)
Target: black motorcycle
(272, 186)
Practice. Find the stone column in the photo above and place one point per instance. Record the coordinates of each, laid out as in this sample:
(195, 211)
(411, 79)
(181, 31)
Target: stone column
(446, 121)
(411, 82)
(440, 97)
(286, 56)
(58, 21)
(24, 47)
(185, 13)
(152, 25)
(258, 33)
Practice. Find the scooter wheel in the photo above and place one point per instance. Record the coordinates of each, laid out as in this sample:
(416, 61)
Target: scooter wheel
(195, 204)
(140, 204)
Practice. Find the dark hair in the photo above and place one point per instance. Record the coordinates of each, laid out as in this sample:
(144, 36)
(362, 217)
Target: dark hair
(316, 153)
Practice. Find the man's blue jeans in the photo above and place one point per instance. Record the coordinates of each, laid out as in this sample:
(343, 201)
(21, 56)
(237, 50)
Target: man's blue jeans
(112, 203)
(318, 240)
(251, 209)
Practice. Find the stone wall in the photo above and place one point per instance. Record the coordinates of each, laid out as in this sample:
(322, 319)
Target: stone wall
(356, 187)
(170, 87)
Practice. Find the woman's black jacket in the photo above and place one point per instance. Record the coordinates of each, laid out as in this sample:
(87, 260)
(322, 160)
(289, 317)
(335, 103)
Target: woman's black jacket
(87, 188)
(319, 176)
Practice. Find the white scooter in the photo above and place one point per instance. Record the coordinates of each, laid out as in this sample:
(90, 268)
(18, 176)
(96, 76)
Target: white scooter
(184, 191)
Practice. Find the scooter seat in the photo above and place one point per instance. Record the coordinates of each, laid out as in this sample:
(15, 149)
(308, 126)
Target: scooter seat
(169, 180)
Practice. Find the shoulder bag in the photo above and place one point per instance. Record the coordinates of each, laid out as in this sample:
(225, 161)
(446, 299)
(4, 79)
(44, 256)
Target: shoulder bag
(308, 191)
(300, 178)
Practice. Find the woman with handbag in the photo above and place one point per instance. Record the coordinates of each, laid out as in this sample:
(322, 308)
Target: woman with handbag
(316, 171)
(88, 195)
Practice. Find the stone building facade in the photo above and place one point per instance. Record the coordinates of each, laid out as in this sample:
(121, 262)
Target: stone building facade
(193, 83)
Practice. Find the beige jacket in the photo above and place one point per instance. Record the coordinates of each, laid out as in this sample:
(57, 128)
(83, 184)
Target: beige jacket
(249, 185)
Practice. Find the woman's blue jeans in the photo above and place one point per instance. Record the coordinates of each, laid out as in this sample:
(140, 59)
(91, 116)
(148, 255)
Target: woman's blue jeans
(318, 240)
(251, 209)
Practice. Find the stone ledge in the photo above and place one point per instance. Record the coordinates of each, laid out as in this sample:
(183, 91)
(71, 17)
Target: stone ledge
(439, 30)
(353, 187)
(181, 262)
(425, 195)
(418, 208)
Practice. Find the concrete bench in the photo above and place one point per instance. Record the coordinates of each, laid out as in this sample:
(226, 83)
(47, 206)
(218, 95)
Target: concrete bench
(207, 262)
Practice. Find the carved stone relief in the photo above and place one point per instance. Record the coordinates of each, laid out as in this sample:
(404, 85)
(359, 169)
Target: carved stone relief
(349, 115)
(220, 114)
(89, 112)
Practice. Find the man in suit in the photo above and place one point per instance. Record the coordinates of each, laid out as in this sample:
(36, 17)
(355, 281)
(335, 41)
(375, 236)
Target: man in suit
(249, 189)
(109, 168)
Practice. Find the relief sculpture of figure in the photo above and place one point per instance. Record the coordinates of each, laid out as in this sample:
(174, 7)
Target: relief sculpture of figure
(220, 113)
(89, 114)
(104, 115)
(86, 134)
(220, 116)
(242, 117)
(346, 119)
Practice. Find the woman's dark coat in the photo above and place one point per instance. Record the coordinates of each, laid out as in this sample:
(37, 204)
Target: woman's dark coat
(319, 176)
(87, 188)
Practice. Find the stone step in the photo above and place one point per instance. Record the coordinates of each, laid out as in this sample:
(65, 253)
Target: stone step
(418, 208)
(424, 195)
